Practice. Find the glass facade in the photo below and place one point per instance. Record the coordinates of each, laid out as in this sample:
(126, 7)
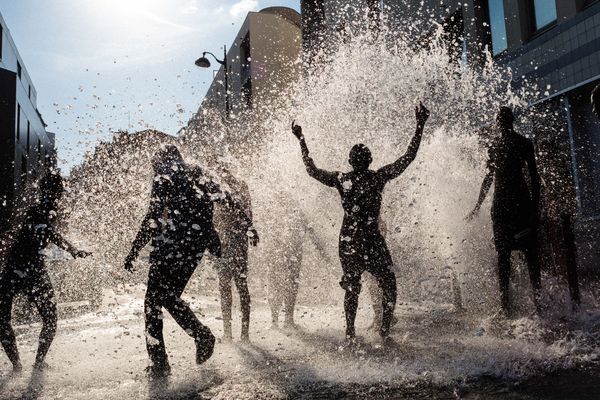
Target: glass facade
(497, 26)
(545, 12)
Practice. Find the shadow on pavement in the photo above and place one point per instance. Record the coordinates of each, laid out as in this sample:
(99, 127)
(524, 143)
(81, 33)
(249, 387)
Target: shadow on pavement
(164, 388)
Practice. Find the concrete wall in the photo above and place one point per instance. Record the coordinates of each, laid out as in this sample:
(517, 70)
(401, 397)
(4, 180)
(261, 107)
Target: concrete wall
(275, 47)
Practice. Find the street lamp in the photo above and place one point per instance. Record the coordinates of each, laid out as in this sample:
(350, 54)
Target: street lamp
(204, 62)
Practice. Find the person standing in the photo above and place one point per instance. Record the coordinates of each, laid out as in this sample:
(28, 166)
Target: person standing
(232, 226)
(361, 245)
(515, 206)
(285, 264)
(25, 272)
(179, 222)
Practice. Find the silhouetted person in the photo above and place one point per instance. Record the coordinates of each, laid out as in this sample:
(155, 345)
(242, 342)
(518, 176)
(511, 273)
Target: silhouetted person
(361, 245)
(515, 207)
(285, 263)
(179, 224)
(24, 270)
(232, 225)
(595, 99)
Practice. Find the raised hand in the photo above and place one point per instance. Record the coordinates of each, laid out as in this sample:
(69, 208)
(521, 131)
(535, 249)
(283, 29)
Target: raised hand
(128, 264)
(81, 254)
(472, 214)
(297, 130)
(422, 114)
(253, 236)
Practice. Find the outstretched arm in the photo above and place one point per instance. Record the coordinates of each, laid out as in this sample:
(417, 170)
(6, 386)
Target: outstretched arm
(148, 227)
(61, 242)
(327, 178)
(392, 171)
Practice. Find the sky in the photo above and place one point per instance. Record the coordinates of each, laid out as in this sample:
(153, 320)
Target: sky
(104, 65)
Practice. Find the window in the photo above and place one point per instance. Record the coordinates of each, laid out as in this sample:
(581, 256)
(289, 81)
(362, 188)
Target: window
(19, 70)
(497, 26)
(247, 92)
(18, 123)
(28, 135)
(23, 171)
(1, 37)
(29, 92)
(544, 12)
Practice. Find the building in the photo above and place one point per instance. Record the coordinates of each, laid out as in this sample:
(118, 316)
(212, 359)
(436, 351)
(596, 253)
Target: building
(262, 61)
(26, 148)
(554, 44)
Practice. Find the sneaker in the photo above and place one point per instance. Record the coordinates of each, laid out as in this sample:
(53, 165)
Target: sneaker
(41, 366)
(17, 368)
(158, 371)
(204, 348)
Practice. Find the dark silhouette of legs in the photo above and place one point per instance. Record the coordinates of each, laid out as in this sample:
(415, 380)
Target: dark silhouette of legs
(164, 290)
(187, 320)
(42, 295)
(7, 334)
(276, 297)
(276, 293)
(241, 283)
(226, 300)
(533, 264)
(387, 282)
(504, 278)
(376, 295)
(155, 343)
(291, 293)
(351, 284)
(234, 268)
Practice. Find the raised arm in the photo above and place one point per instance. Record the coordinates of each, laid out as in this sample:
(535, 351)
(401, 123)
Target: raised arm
(61, 242)
(149, 225)
(327, 178)
(392, 171)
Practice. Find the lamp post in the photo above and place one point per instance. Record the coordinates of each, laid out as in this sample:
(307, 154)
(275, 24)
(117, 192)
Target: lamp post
(203, 62)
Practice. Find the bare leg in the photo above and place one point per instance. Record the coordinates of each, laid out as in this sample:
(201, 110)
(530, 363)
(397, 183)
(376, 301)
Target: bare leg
(7, 334)
(42, 296)
(351, 284)
(387, 282)
(376, 295)
(275, 298)
(226, 300)
(155, 343)
(241, 283)
(292, 292)
(504, 279)
(535, 276)
(187, 320)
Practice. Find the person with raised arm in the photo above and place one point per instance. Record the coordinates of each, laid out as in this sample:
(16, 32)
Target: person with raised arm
(25, 272)
(361, 245)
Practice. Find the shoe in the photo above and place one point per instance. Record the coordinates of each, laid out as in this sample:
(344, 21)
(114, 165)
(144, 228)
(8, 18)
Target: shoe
(158, 371)
(205, 348)
(17, 368)
(41, 366)
(245, 338)
(351, 343)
